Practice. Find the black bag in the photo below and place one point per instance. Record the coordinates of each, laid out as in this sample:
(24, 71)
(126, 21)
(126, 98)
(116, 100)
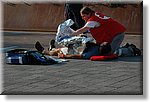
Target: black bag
(23, 56)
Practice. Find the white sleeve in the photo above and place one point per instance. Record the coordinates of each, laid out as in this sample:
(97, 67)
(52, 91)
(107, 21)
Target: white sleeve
(92, 24)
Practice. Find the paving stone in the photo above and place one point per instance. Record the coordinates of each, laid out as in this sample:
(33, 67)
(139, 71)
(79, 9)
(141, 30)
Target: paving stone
(121, 76)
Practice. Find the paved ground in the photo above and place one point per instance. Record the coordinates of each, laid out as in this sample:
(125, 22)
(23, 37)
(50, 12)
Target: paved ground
(121, 76)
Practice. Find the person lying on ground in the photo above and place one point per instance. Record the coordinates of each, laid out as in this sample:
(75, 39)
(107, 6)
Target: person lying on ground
(90, 50)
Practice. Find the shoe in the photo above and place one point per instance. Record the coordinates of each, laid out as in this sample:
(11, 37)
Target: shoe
(132, 45)
(126, 45)
(137, 51)
(39, 47)
(51, 45)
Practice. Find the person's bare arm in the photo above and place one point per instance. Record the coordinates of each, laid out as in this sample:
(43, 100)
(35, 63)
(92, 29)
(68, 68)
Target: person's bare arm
(70, 56)
(73, 56)
(79, 31)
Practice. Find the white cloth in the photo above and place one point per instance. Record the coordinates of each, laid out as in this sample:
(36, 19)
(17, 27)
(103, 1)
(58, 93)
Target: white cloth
(63, 37)
(64, 50)
(64, 30)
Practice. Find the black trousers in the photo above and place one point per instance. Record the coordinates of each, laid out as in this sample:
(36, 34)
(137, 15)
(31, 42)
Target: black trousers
(72, 11)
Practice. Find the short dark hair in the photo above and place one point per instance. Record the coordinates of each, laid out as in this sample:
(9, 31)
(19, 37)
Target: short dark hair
(105, 48)
(86, 10)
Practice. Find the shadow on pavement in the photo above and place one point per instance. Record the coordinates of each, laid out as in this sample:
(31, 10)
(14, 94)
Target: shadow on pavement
(130, 59)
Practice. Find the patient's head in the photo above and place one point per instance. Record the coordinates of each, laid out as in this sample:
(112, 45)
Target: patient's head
(105, 48)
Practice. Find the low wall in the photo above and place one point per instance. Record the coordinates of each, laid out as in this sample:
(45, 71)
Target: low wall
(47, 16)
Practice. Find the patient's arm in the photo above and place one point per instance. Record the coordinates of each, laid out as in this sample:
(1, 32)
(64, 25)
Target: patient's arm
(70, 56)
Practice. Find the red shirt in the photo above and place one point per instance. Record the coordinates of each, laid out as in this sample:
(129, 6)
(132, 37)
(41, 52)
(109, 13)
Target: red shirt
(107, 30)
